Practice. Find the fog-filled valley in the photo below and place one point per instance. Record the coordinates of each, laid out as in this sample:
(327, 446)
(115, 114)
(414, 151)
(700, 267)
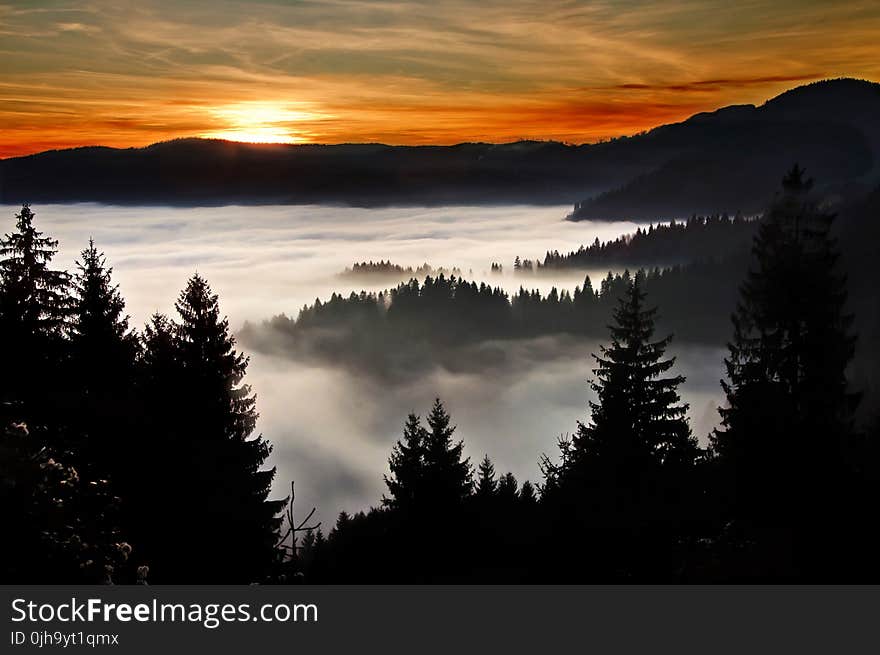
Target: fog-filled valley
(370, 293)
(266, 260)
(646, 377)
(333, 420)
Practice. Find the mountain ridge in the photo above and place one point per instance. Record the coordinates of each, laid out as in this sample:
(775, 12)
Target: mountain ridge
(640, 176)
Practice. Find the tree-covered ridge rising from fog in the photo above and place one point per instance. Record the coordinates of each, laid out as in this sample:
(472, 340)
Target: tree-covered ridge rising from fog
(131, 456)
(435, 319)
(699, 237)
(432, 321)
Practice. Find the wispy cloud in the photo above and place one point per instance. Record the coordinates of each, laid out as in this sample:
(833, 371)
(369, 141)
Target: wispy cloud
(129, 73)
(704, 86)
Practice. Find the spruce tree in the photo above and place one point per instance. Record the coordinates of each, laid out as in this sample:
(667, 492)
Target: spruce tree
(486, 482)
(99, 330)
(407, 463)
(448, 477)
(34, 306)
(508, 489)
(102, 356)
(622, 489)
(158, 356)
(528, 507)
(527, 495)
(783, 447)
(218, 525)
(638, 418)
(241, 524)
(157, 519)
(33, 294)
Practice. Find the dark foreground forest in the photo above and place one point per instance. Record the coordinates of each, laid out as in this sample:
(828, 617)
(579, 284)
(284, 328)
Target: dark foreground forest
(130, 456)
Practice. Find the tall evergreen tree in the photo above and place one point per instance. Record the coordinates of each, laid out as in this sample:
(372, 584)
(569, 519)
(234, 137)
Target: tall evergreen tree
(448, 477)
(99, 330)
(218, 524)
(34, 305)
(102, 357)
(638, 416)
(158, 521)
(158, 355)
(784, 444)
(240, 524)
(620, 492)
(486, 482)
(407, 464)
(429, 484)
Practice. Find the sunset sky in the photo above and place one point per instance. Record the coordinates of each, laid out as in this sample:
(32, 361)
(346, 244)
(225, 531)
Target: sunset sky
(125, 73)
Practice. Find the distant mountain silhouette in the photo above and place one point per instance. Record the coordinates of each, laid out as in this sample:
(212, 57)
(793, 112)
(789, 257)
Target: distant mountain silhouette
(725, 160)
(214, 172)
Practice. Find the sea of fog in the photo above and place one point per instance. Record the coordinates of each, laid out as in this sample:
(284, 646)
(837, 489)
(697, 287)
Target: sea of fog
(332, 428)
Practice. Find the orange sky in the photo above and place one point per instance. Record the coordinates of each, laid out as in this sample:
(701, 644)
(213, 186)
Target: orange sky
(130, 73)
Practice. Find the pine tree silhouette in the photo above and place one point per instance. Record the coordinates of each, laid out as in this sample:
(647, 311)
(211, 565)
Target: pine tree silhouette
(788, 422)
(527, 495)
(158, 355)
(157, 520)
(618, 493)
(99, 329)
(638, 416)
(103, 352)
(34, 306)
(407, 464)
(240, 523)
(205, 416)
(508, 490)
(448, 477)
(486, 482)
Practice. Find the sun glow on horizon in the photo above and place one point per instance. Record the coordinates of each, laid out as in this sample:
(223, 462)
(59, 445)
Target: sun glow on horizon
(406, 72)
(261, 122)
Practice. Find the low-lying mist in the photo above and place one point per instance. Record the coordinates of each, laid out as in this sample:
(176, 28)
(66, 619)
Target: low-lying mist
(333, 425)
(268, 260)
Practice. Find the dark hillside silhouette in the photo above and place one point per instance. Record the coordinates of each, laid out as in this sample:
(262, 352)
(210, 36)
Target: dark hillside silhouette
(678, 242)
(131, 457)
(722, 161)
(386, 270)
(831, 127)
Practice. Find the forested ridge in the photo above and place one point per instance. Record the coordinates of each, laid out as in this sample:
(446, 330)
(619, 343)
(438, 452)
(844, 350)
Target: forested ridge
(726, 160)
(130, 455)
(438, 315)
(676, 242)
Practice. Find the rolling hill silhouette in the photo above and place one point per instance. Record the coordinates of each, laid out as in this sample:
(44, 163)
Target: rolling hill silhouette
(727, 160)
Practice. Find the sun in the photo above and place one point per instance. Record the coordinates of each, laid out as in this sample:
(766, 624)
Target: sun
(261, 122)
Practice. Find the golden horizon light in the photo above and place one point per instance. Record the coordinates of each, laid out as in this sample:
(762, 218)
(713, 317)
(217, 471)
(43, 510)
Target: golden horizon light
(121, 73)
(260, 122)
